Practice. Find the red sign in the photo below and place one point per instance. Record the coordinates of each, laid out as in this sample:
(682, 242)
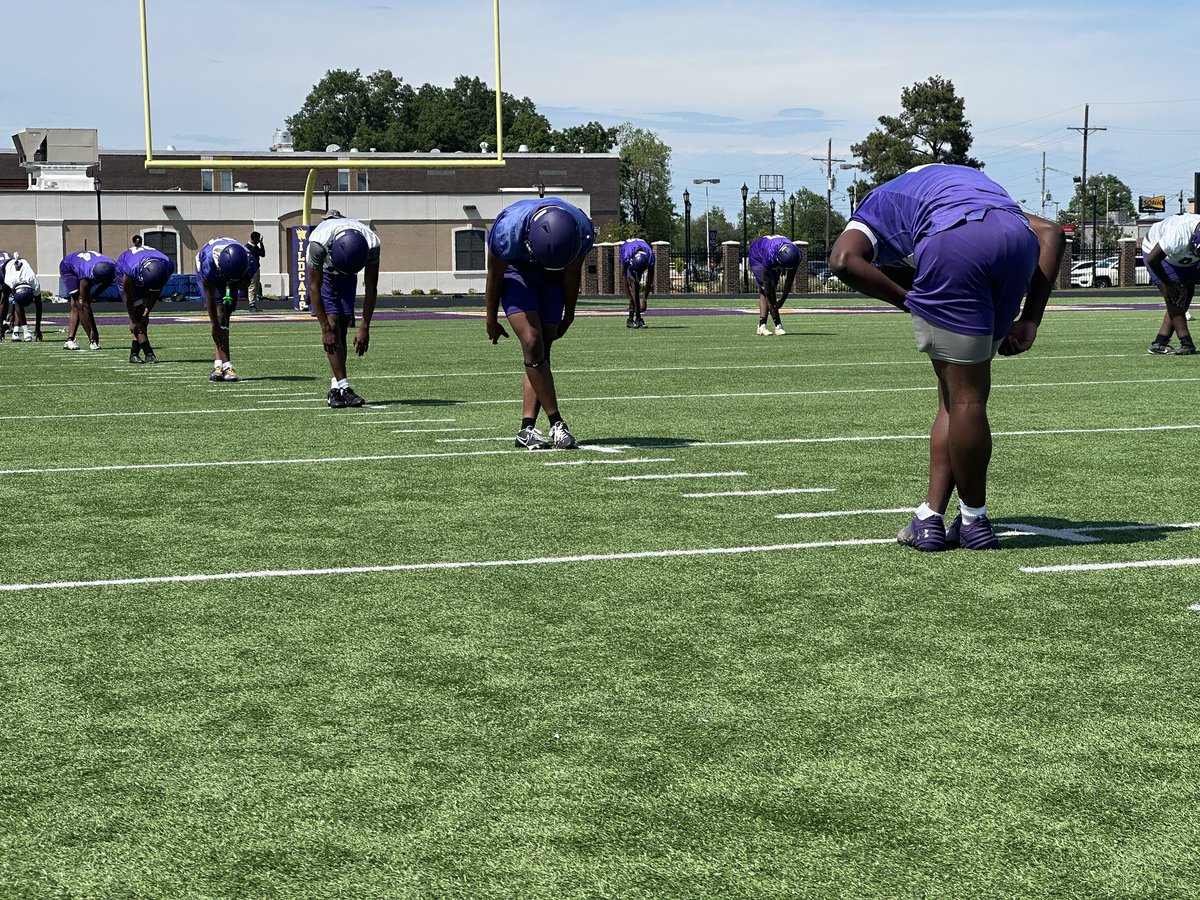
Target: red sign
(1069, 230)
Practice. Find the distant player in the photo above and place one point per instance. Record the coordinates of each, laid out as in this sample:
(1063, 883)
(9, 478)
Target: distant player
(254, 292)
(1171, 251)
(950, 246)
(83, 275)
(224, 267)
(771, 258)
(142, 273)
(20, 286)
(637, 260)
(338, 249)
(536, 250)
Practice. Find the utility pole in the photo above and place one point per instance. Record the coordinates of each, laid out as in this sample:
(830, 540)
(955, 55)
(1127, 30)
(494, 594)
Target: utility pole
(828, 161)
(1083, 175)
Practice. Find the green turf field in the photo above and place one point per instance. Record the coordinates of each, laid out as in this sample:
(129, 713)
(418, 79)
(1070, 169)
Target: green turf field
(431, 665)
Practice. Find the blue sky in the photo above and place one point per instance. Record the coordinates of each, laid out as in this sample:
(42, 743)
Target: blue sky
(737, 90)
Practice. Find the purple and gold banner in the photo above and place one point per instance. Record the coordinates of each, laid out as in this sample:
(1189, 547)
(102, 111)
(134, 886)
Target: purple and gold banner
(298, 242)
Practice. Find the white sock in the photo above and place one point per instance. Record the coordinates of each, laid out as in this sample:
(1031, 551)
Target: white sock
(971, 513)
(216, 364)
(344, 383)
(333, 383)
(226, 366)
(924, 511)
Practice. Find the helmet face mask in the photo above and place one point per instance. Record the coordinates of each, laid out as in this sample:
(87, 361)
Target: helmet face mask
(552, 238)
(639, 262)
(787, 256)
(348, 251)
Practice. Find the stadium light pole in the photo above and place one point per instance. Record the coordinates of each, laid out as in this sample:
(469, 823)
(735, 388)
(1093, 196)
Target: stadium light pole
(772, 215)
(326, 185)
(745, 266)
(687, 242)
(99, 218)
(792, 227)
(707, 235)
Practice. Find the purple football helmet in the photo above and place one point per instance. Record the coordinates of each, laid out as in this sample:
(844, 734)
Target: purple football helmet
(787, 256)
(232, 261)
(1196, 239)
(348, 251)
(152, 273)
(23, 294)
(639, 262)
(553, 237)
(103, 273)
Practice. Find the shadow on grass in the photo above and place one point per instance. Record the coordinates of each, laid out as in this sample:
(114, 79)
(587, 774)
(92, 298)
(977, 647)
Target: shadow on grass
(1037, 531)
(657, 443)
(412, 402)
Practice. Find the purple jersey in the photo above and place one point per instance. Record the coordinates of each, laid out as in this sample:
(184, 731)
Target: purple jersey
(924, 201)
(506, 239)
(628, 248)
(128, 262)
(83, 264)
(206, 264)
(762, 251)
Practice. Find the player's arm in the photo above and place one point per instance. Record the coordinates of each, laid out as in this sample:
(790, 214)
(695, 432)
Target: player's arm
(125, 289)
(37, 311)
(315, 276)
(1171, 290)
(850, 260)
(370, 295)
(787, 287)
(572, 277)
(649, 282)
(1052, 243)
(491, 297)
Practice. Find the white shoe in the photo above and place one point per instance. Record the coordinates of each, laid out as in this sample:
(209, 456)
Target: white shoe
(16, 336)
(94, 345)
(764, 331)
(71, 345)
(28, 336)
(779, 329)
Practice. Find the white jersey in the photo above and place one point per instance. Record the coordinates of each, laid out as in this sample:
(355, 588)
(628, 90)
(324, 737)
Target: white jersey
(1174, 235)
(327, 230)
(18, 272)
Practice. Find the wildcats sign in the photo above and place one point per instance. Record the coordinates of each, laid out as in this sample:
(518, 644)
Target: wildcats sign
(1152, 204)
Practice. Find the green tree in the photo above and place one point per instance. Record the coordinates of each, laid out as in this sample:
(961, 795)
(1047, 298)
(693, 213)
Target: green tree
(346, 109)
(591, 137)
(646, 182)
(810, 219)
(931, 128)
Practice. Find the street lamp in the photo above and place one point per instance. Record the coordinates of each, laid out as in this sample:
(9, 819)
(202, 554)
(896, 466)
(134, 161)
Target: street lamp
(687, 242)
(707, 234)
(99, 218)
(772, 215)
(745, 266)
(326, 195)
(853, 184)
(792, 227)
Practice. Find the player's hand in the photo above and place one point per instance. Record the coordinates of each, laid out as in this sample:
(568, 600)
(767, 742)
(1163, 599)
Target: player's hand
(1174, 294)
(328, 338)
(1019, 338)
(37, 334)
(495, 331)
(362, 339)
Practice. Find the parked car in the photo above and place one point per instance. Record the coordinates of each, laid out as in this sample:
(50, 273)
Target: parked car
(819, 269)
(1105, 273)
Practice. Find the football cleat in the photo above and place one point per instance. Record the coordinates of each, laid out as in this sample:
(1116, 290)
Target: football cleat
(629, 323)
(1187, 349)
(150, 357)
(71, 345)
(562, 437)
(230, 375)
(928, 535)
(335, 399)
(351, 398)
(641, 323)
(979, 535)
(217, 374)
(764, 331)
(134, 359)
(27, 337)
(1161, 348)
(531, 439)
(779, 328)
(94, 345)
(15, 336)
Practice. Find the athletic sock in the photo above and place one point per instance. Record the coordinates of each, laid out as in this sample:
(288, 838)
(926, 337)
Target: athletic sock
(971, 513)
(924, 511)
(762, 320)
(146, 348)
(227, 365)
(528, 422)
(342, 383)
(1162, 339)
(554, 418)
(134, 347)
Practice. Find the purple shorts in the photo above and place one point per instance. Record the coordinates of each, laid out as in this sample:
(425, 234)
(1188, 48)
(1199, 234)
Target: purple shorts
(337, 293)
(1182, 274)
(526, 290)
(68, 283)
(970, 279)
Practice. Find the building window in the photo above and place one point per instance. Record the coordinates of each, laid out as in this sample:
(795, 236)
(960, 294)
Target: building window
(469, 250)
(343, 179)
(227, 181)
(165, 242)
(206, 179)
(362, 181)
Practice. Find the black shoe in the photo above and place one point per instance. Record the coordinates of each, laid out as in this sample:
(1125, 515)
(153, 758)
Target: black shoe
(134, 358)
(629, 323)
(1161, 348)
(351, 398)
(1186, 349)
(532, 439)
(640, 324)
(335, 399)
(150, 357)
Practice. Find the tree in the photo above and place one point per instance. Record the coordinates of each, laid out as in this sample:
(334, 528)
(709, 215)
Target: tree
(591, 137)
(810, 218)
(1106, 194)
(646, 182)
(931, 128)
(346, 109)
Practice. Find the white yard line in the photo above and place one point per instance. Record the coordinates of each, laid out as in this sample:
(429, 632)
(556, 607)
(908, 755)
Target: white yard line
(763, 493)
(845, 512)
(435, 430)
(1104, 567)
(441, 566)
(677, 475)
(313, 400)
